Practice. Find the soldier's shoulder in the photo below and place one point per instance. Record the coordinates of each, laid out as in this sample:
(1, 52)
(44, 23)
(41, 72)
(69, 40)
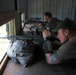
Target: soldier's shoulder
(56, 19)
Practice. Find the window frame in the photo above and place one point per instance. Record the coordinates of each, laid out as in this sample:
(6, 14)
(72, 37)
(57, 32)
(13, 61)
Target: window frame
(5, 57)
(3, 62)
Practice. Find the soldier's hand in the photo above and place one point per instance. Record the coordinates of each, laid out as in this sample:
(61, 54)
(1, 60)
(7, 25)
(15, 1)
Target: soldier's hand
(46, 33)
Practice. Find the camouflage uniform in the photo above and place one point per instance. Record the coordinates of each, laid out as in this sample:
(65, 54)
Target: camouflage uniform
(53, 23)
(67, 51)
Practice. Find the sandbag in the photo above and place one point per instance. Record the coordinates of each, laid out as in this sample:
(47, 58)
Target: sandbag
(22, 51)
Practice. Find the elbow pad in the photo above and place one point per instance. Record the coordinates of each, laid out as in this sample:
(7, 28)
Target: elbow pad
(47, 47)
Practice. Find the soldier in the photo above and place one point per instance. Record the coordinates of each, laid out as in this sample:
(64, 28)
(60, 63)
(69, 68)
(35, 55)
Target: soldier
(66, 33)
(50, 22)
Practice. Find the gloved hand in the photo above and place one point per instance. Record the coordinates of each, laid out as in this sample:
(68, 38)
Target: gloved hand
(46, 33)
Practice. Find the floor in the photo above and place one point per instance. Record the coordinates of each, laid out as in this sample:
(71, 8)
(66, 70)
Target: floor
(39, 68)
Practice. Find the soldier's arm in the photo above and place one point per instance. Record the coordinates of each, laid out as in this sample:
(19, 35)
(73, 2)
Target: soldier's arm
(47, 47)
(51, 59)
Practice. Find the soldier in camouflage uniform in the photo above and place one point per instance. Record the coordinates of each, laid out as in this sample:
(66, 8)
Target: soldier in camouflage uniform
(66, 33)
(50, 22)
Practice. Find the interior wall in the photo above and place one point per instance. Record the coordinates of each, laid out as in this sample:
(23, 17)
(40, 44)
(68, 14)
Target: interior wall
(36, 8)
(59, 8)
(7, 5)
(9, 9)
(18, 22)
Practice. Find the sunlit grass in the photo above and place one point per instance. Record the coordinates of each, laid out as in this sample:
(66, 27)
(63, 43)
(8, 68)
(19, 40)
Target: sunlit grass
(3, 42)
(3, 30)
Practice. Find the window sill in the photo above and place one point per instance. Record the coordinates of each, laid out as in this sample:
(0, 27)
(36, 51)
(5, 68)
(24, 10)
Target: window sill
(3, 63)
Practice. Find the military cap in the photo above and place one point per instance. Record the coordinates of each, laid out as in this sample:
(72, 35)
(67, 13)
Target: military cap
(66, 24)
